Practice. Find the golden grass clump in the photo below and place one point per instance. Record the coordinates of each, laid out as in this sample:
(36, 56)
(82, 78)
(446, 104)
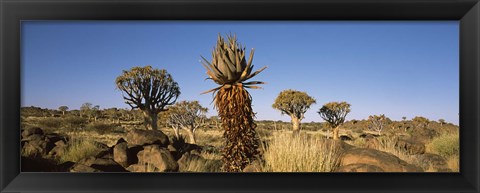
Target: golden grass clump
(79, 148)
(300, 153)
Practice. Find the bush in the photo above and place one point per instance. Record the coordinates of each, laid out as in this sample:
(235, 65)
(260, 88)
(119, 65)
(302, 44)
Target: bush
(50, 123)
(446, 145)
(79, 148)
(75, 122)
(300, 153)
(101, 127)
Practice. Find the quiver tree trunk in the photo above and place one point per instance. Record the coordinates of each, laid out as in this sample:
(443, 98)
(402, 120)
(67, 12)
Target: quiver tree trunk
(335, 133)
(150, 120)
(296, 125)
(191, 136)
(235, 110)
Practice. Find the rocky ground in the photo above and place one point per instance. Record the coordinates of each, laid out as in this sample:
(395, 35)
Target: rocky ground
(153, 151)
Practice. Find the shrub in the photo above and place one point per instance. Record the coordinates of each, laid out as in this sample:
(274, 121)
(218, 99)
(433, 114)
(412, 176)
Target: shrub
(50, 123)
(300, 153)
(75, 122)
(79, 148)
(180, 144)
(446, 145)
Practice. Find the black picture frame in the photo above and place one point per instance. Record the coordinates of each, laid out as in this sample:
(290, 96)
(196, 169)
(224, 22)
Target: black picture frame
(12, 12)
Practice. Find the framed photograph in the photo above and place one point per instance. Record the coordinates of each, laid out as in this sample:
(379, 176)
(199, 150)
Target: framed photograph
(239, 96)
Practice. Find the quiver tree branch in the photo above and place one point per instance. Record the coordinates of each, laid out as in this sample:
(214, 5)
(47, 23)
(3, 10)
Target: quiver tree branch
(149, 90)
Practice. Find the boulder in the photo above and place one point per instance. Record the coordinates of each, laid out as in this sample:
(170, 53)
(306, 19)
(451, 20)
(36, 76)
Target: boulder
(159, 157)
(359, 168)
(142, 168)
(31, 131)
(386, 161)
(100, 164)
(83, 168)
(36, 148)
(432, 162)
(147, 137)
(120, 154)
(410, 146)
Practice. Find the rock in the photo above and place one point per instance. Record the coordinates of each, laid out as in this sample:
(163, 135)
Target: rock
(34, 137)
(57, 151)
(372, 143)
(83, 168)
(101, 164)
(147, 137)
(35, 148)
(346, 137)
(31, 131)
(121, 140)
(120, 154)
(359, 168)
(424, 135)
(142, 168)
(431, 162)
(410, 146)
(386, 161)
(132, 153)
(60, 143)
(255, 166)
(186, 159)
(158, 157)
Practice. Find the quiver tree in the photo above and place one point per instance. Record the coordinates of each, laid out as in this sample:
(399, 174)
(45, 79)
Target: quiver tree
(378, 123)
(86, 110)
(230, 69)
(187, 116)
(334, 114)
(294, 104)
(63, 109)
(149, 90)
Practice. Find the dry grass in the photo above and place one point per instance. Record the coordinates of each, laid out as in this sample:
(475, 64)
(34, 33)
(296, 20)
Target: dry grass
(387, 144)
(79, 148)
(453, 163)
(300, 153)
(210, 163)
(447, 145)
(109, 139)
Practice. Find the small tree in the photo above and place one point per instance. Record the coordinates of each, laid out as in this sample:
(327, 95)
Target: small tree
(334, 114)
(188, 116)
(442, 122)
(378, 123)
(404, 118)
(294, 104)
(149, 90)
(420, 122)
(95, 111)
(85, 110)
(63, 109)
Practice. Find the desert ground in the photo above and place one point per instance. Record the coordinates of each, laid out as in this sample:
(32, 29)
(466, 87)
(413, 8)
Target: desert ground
(115, 140)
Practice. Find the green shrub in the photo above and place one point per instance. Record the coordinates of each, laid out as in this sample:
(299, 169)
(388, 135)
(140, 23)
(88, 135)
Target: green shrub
(446, 145)
(79, 148)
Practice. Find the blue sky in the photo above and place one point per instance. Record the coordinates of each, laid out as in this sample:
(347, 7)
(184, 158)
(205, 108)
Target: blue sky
(394, 68)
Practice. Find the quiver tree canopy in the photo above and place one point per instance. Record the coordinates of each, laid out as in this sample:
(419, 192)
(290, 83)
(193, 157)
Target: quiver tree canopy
(149, 90)
(334, 114)
(295, 104)
(187, 115)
